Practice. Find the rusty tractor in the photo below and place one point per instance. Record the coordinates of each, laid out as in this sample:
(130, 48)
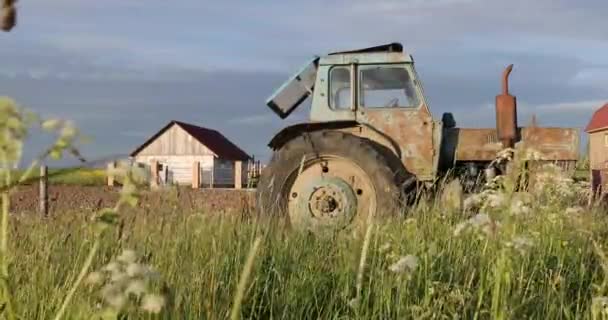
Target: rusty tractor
(371, 140)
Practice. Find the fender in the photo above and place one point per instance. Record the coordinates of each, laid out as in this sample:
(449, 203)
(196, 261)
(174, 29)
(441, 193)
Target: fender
(371, 133)
(292, 131)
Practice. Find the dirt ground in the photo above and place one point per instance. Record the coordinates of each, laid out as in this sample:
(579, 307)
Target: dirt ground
(90, 198)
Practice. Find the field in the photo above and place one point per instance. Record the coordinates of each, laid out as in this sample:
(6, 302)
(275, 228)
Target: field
(535, 255)
(70, 176)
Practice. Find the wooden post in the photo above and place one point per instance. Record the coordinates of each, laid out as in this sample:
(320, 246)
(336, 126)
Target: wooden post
(44, 196)
(212, 177)
(238, 173)
(154, 171)
(196, 175)
(111, 167)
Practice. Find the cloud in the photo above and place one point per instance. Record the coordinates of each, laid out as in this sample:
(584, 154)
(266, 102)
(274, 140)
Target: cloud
(122, 68)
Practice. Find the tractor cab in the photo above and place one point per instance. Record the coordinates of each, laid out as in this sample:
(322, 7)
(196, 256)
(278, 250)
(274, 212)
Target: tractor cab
(377, 88)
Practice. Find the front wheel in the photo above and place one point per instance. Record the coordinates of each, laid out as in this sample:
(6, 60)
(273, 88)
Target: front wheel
(330, 180)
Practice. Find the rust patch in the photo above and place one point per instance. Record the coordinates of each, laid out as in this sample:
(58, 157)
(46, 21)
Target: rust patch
(412, 132)
(553, 144)
(477, 144)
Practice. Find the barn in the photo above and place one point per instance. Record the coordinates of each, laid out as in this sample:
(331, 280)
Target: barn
(181, 151)
(597, 129)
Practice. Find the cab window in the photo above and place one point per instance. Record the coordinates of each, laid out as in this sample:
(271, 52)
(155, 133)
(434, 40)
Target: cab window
(339, 88)
(386, 87)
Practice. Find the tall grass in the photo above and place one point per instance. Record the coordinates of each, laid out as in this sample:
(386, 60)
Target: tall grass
(294, 275)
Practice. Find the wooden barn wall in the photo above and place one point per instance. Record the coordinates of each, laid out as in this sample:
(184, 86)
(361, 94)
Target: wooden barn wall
(175, 141)
(598, 149)
(180, 167)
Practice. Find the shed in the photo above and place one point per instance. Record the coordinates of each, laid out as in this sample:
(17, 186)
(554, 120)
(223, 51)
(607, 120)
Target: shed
(597, 129)
(181, 150)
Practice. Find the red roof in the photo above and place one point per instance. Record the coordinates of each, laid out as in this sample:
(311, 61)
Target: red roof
(599, 119)
(215, 141)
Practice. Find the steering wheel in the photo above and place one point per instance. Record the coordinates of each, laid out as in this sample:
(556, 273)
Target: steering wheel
(393, 103)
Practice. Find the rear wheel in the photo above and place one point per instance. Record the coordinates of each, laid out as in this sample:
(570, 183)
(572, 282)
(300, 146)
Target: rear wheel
(330, 180)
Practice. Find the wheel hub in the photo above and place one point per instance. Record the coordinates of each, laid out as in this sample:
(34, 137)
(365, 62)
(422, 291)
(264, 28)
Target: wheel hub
(322, 202)
(328, 193)
(327, 201)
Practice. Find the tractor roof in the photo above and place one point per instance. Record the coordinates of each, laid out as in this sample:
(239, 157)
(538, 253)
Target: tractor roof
(386, 53)
(390, 47)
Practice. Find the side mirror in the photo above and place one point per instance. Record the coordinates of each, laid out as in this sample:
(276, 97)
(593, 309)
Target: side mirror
(448, 120)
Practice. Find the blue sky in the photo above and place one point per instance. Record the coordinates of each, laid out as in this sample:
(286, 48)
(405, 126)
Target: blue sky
(123, 69)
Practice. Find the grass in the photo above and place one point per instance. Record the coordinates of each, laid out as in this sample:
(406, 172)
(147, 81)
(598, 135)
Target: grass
(70, 176)
(200, 258)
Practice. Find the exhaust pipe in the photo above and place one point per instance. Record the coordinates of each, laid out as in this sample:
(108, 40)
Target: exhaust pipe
(506, 113)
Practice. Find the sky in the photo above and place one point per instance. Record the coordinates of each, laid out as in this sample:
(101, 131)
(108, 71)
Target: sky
(123, 69)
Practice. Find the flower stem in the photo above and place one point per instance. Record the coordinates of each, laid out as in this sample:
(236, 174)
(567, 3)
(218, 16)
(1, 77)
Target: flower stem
(83, 273)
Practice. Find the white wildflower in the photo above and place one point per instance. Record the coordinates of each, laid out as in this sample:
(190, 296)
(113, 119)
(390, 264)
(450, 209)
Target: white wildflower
(112, 267)
(480, 220)
(521, 244)
(385, 247)
(117, 301)
(519, 208)
(600, 305)
(574, 210)
(459, 228)
(135, 270)
(136, 287)
(495, 200)
(94, 278)
(127, 256)
(483, 223)
(119, 277)
(153, 303)
(472, 201)
(405, 264)
(113, 296)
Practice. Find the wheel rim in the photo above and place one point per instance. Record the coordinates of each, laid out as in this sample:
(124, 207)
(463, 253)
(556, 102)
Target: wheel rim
(330, 192)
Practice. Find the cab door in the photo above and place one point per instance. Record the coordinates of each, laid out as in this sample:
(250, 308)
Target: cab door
(391, 101)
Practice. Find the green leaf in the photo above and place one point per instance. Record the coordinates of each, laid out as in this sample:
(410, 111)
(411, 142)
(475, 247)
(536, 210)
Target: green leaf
(55, 154)
(130, 199)
(108, 216)
(51, 124)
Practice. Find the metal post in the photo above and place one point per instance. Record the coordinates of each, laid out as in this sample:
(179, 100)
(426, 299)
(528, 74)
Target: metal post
(44, 196)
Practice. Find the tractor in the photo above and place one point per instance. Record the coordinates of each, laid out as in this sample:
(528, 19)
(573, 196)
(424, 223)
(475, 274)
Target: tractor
(371, 140)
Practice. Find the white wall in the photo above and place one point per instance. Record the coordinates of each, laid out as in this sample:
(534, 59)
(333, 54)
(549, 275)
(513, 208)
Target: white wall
(180, 167)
